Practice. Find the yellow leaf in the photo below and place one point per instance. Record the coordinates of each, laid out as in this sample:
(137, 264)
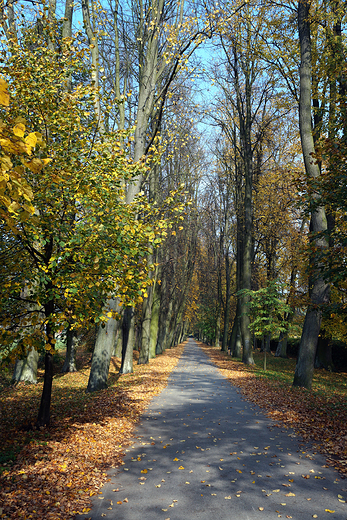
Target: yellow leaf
(6, 163)
(143, 471)
(181, 467)
(329, 511)
(13, 207)
(31, 139)
(4, 95)
(20, 119)
(19, 130)
(35, 165)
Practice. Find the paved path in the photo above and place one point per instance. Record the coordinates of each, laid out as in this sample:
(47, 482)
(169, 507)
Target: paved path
(202, 452)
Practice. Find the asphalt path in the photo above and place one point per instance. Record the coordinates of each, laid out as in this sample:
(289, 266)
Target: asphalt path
(203, 452)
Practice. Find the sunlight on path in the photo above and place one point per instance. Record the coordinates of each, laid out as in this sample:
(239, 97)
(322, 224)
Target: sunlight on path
(202, 452)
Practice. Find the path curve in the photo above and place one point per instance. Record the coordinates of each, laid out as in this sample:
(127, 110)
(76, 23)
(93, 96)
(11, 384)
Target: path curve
(203, 452)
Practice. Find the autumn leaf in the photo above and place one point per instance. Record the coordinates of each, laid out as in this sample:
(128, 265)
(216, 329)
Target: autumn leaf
(19, 130)
(4, 95)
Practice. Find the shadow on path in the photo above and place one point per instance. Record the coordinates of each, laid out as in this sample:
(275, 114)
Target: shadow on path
(202, 452)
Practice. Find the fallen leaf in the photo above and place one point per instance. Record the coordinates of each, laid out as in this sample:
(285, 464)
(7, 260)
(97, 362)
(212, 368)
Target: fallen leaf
(261, 508)
(144, 471)
(329, 511)
(181, 467)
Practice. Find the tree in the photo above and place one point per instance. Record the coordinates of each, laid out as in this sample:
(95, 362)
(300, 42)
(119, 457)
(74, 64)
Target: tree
(319, 290)
(82, 241)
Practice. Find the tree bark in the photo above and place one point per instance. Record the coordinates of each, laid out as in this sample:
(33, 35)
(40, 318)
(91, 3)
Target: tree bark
(227, 304)
(324, 354)
(71, 346)
(128, 342)
(43, 418)
(154, 319)
(281, 350)
(103, 350)
(26, 369)
(319, 290)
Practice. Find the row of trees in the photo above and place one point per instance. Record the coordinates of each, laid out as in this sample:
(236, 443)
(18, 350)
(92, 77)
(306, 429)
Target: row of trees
(98, 226)
(104, 220)
(271, 220)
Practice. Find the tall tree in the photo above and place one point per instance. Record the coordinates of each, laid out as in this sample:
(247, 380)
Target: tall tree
(319, 290)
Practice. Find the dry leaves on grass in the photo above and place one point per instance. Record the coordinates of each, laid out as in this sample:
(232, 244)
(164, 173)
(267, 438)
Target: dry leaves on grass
(312, 416)
(58, 469)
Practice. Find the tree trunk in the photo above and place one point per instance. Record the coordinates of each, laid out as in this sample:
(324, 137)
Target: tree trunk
(26, 369)
(227, 305)
(128, 341)
(217, 331)
(154, 320)
(281, 350)
(146, 322)
(103, 350)
(319, 290)
(45, 405)
(43, 418)
(324, 354)
(71, 347)
(267, 343)
(119, 342)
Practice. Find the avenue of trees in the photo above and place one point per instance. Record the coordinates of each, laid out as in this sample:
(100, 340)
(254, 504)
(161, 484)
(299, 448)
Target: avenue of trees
(121, 214)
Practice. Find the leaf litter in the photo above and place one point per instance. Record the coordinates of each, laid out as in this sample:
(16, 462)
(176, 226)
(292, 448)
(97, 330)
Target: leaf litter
(317, 416)
(55, 471)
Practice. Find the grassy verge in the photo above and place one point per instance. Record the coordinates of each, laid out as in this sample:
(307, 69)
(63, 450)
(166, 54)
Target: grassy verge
(319, 416)
(52, 473)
